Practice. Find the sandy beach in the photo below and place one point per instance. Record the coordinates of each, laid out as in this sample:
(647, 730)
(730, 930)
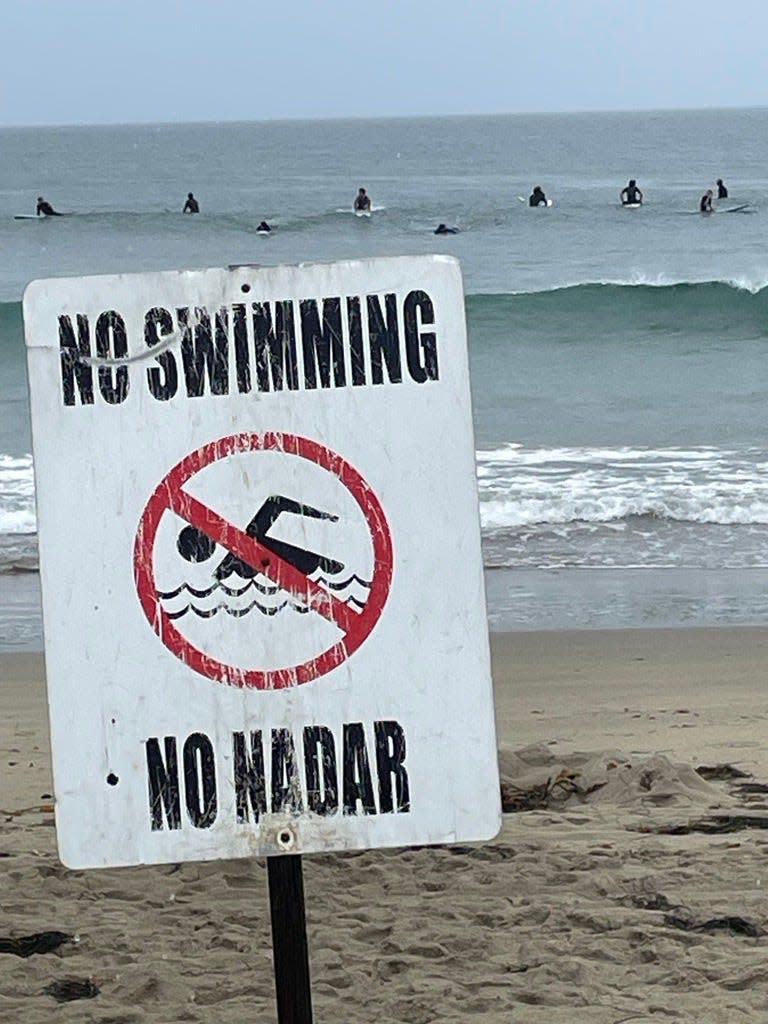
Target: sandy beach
(580, 910)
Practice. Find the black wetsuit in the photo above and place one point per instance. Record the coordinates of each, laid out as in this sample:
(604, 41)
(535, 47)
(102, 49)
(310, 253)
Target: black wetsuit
(362, 201)
(705, 203)
(722, 191)
(191, 205)
(441, 229)
(537, 198)
(45, 209)
(631, 195)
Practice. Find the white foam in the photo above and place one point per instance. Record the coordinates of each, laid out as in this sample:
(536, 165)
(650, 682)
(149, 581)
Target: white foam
(18, 521)
(748, 283)
(529, 487)
(560, 489)
(517, 454)
(17, 494)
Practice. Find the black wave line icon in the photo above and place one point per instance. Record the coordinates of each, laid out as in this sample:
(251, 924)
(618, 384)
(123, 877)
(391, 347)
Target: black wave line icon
(268, 591)
(195, 546)
(237, 613)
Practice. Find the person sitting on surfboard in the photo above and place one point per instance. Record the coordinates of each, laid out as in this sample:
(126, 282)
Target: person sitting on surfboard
(191, 205)
(705, 203)
(631, 195)
(44, 208)
(537, 197)
(362, 201)
(722, 191)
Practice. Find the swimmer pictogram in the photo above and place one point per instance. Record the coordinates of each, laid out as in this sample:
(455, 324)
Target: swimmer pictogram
(305, 561)
(196, 546)
(316, 609)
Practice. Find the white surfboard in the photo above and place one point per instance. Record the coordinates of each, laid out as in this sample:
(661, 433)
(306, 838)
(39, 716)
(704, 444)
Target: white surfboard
(39, 216)
(362, 213)
(744, 208)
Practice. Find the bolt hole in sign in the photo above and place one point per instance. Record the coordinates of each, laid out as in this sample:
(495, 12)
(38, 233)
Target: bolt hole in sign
(260, 561)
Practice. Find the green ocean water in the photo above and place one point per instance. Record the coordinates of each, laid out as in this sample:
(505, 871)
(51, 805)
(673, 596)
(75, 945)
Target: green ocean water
(617, 356)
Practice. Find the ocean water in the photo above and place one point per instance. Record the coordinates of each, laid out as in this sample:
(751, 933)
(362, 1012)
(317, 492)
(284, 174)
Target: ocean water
(618, 356)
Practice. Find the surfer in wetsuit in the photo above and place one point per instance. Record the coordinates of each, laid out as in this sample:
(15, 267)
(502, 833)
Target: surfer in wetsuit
(705, 203)
(537, 197)
(44, 208)
(263, 227)
(443, 229)
(631, 194)
(191, 205)
(362, 201)
(722, 191)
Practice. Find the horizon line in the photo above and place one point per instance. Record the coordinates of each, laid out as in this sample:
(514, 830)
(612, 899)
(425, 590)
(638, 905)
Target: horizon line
(379, 117)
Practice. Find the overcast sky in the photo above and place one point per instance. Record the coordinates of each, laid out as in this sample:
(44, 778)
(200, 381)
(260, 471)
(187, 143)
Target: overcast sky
(97, 61)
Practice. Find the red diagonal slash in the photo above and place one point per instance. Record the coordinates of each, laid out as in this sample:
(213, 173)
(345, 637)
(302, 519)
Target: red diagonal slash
(260, 558)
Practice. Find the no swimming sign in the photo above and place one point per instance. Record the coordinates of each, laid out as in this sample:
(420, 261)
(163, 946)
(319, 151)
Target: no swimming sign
(260, 557)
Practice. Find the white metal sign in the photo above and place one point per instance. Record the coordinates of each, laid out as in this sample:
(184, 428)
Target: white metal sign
(260, 557)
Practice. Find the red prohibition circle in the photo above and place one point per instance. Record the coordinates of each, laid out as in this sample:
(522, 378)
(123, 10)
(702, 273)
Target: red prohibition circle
(170, 496)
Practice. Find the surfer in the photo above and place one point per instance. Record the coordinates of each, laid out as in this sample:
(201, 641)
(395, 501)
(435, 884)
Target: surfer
(44, 208)
(722, 191)
(631, 194)
(191, 205)
(443, 229)
(705, 203)
(362, 201)
(537, 197)
(264, 227)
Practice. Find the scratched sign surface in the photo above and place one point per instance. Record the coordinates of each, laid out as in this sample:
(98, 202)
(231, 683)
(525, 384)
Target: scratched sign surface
(260, 557)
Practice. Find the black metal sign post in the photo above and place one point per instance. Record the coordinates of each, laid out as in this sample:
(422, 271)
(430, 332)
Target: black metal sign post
(289, 940)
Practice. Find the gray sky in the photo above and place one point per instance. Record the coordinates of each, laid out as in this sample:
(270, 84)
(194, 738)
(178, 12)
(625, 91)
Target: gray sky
(96, 61)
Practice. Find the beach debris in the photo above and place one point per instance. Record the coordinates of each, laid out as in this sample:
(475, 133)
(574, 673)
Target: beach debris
(34, 809)
(751, 792)
(731, 923)
(715, 824)
(522, 968)
(39, 942)
(678, 916)
(721, 772)
(652, 901)
(534, 778)
(68, 989)
(546, 794)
